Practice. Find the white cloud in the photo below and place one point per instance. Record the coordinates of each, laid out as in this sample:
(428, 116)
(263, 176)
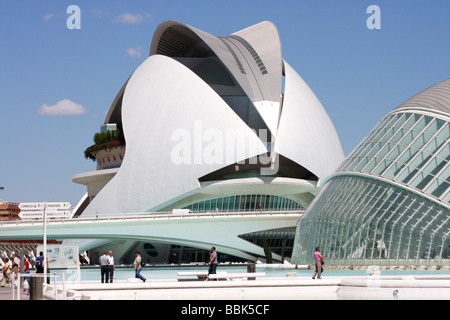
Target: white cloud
(64, 107)
(48, 16)
(98, 13)
(130, 18)
(134, 52)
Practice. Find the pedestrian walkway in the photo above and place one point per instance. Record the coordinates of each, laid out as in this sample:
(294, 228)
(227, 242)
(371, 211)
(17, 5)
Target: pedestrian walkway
(289, 288)
(7, 294)
(409, 287)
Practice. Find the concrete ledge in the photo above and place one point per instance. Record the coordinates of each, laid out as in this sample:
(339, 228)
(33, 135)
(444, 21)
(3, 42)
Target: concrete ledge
(298, 288)
(232, 276)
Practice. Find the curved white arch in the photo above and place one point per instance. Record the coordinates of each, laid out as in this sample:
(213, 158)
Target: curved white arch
(436, 97)
(164, 97)
(306, 134)
(116, 104)
(265, 39)
(237, 58)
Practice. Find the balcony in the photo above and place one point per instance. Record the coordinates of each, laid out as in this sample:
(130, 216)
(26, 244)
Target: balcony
(108, 150)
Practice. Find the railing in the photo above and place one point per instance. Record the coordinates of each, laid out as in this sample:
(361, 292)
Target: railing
(152, 216)
(15, 282)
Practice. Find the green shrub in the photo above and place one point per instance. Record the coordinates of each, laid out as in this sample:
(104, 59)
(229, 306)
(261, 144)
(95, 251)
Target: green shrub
(104, 140)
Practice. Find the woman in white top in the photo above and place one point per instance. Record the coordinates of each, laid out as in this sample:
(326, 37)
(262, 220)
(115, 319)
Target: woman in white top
(6, 272)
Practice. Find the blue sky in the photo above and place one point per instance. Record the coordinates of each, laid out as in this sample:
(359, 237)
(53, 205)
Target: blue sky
(358, 74)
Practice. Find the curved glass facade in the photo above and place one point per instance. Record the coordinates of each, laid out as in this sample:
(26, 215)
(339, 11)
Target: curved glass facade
(243, 203)
(388, 202)
(358, 220)
(408, 148)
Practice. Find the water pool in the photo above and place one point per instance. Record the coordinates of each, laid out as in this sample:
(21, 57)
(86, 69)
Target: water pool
(124, 273)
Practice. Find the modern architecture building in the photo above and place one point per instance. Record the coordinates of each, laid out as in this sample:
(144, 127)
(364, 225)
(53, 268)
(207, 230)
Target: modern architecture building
(388, 202)
(210, 123)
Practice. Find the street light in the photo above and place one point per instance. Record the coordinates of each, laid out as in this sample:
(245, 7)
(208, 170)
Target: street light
(44, 218)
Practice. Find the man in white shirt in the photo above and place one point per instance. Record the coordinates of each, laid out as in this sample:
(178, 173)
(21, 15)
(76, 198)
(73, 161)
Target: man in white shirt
(104, 265)
(112, 266)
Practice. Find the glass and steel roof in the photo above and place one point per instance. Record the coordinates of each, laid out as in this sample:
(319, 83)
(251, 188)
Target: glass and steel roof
(409, 148)
(363, 221)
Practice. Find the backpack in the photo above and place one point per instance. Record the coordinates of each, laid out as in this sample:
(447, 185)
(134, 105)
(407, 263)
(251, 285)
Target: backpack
(39, 262)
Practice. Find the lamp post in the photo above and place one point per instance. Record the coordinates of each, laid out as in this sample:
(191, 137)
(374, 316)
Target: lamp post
(44, 240)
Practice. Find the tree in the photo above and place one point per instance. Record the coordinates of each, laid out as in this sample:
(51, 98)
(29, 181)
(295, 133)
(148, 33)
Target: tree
(267, 250)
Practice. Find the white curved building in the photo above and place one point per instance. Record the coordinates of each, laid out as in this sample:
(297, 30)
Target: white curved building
(214, 121)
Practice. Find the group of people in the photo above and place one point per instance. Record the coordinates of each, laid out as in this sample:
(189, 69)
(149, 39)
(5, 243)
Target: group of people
(107, 267)
(213, 261)
(14, 266)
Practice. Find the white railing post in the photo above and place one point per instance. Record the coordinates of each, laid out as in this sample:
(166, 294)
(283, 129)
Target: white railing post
(13, 277)
(56, 288)
(64, 286)
(18, 286)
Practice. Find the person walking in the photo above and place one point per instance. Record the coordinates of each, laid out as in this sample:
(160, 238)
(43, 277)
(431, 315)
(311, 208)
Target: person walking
(104, 266)
(16, 264)
(212, 261)
(318, 259)
(6, 270)
(112, 266)
(138, 266)
(39, 263)
(26, 270)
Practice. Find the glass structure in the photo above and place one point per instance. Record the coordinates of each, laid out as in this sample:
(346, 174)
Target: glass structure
(388, 202)
(410, 149)
(245, 203)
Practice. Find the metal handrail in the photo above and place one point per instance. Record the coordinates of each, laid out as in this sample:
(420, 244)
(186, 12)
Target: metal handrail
(41, 275)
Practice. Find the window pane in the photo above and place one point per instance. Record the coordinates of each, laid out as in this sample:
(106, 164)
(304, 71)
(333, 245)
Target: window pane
(411, 120)
(435, 166)
(445, 153)
(422, 179)
(434, 126)
(433, 145)
(371, 165)
(395, 152)
(361, 165)
(438, 187)
(447, 198)
(420, 125)
(445, 132)
(394, 170)
(407, 174)
(421, 141)
(382, 166)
